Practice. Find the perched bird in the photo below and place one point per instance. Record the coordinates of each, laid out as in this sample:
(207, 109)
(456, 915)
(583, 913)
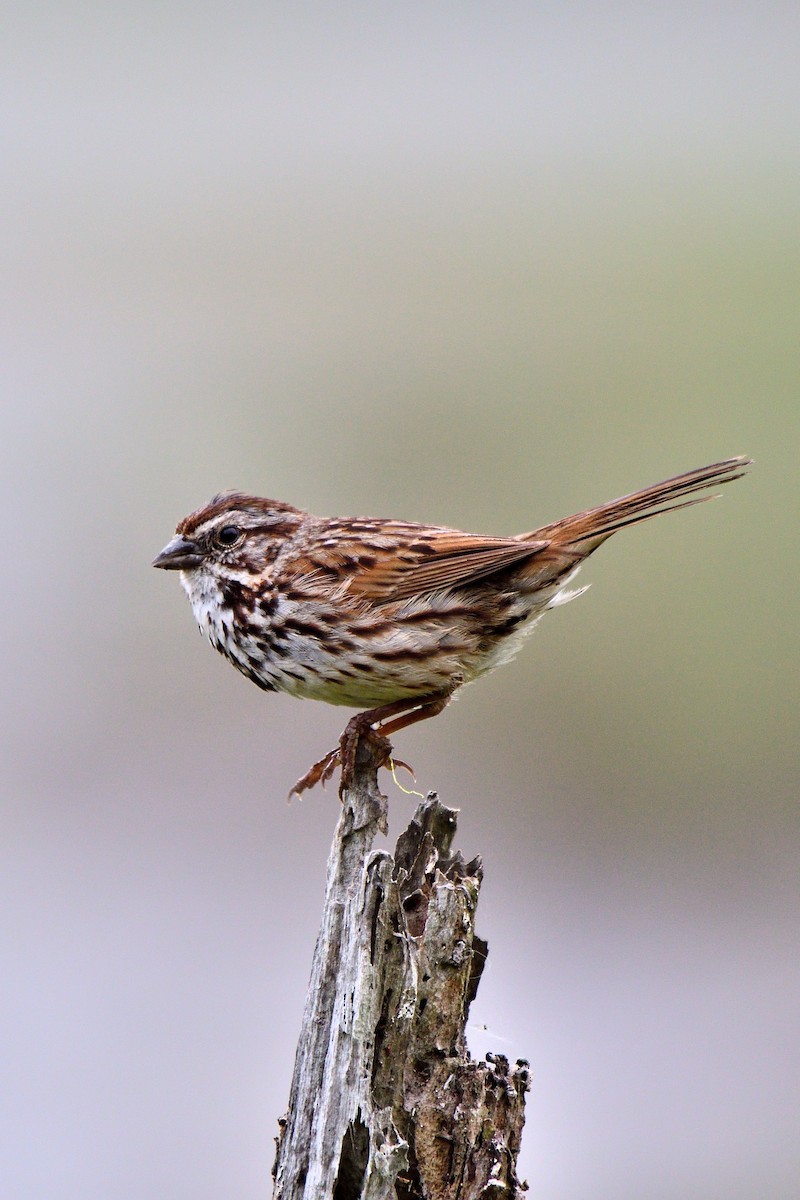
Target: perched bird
(385, 615)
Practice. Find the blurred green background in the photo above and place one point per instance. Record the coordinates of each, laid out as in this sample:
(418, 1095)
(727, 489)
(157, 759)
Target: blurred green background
(471, 264)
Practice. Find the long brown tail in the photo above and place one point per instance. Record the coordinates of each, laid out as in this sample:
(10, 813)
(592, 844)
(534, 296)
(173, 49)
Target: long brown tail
(597, 524)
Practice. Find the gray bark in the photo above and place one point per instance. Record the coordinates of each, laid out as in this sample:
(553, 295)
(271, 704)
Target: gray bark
(385, 1101)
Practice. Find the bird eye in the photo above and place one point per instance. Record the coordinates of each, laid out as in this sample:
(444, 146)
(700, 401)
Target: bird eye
(228, 535)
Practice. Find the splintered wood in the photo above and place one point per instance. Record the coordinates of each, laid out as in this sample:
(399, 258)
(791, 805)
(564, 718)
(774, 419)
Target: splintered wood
(385, 1100)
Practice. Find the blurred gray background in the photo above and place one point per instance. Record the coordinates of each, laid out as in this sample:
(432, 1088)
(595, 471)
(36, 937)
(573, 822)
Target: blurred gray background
(481, 265)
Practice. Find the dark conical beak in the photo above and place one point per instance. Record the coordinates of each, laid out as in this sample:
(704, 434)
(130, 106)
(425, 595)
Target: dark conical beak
(179, 555)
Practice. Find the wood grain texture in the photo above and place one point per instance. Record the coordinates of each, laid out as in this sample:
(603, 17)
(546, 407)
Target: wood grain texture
(385, 1101)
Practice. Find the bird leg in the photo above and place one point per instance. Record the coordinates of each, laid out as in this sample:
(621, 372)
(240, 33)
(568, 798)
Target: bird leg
(374, 725)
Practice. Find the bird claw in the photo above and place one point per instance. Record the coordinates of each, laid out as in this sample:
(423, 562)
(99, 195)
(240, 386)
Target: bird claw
(345, 754)
(319, 773)
(394, 763)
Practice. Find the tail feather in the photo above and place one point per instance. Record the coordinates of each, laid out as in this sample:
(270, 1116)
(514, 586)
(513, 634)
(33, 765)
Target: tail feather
(596, 524)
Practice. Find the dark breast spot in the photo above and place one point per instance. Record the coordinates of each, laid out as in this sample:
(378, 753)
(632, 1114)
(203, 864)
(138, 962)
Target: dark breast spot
(256, 679)
(301, 676)
(234, 592)
(376, 629)
(423, 616)
(406, 654)
(303, 628)
(267, 603)
(270, 644)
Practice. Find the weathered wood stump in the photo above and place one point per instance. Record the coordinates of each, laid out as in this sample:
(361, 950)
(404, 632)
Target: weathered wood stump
(385, 1100)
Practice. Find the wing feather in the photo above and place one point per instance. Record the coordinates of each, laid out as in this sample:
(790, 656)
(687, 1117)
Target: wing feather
(449, 560)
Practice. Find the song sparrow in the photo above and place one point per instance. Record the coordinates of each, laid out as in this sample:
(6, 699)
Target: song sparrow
(382, 614)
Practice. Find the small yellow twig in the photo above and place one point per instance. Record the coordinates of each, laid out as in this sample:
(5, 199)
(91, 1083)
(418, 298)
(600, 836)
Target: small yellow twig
(406, 791)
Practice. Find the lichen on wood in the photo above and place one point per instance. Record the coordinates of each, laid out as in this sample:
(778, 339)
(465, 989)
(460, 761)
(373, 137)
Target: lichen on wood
(385, 1100)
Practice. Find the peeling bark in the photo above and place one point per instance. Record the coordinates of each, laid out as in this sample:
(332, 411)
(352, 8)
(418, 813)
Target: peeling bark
(385, 1102)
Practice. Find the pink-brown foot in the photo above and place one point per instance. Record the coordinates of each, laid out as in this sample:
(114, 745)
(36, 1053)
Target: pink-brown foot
(355, 731)
(319, 773)
(345, 753)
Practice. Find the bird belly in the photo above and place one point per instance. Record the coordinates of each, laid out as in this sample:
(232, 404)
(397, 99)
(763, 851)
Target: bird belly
(366, 658)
